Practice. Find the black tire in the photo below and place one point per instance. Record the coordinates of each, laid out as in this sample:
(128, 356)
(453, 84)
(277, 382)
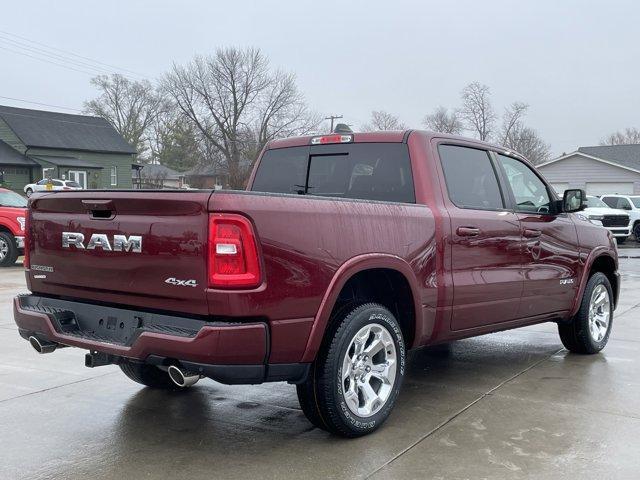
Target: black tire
(636, 231)
(148, 375)
(576, 335)
(321, 396)
(29, 192)
(8, 250)
(621, 240)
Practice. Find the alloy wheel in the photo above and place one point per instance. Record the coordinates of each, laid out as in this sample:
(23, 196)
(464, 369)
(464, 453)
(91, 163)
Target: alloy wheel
(599, 313)
(4, 249)
(369, 370)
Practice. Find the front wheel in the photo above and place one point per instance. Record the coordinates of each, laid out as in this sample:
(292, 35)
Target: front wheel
(8, 250)
(636, 231)
(356, 378)
(588, 331)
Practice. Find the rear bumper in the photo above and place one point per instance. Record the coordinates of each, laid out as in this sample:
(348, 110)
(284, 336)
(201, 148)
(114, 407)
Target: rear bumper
(228, 352)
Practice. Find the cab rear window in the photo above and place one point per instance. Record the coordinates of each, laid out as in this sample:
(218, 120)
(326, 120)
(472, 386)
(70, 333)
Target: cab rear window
(367, 171)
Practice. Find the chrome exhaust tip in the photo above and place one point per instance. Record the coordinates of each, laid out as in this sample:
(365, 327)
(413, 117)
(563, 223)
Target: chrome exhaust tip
(182, 378)
(42, 346)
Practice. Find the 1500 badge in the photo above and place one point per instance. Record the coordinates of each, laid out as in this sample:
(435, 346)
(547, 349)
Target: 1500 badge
(181, 283)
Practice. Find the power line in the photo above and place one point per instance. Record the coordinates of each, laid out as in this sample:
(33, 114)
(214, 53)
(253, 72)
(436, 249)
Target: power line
(72, 54)
(39, 103)
(332, 118)
(55, 56)
(48, 61)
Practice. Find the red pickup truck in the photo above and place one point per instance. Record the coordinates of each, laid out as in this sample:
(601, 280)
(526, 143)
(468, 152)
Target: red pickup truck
(345, 251)
(13, 209)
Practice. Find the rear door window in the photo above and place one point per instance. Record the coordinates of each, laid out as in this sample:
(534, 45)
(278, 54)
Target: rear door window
(470, 177)
(367, 171)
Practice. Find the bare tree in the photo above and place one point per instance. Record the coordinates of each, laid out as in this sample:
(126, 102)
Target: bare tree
(625, 137)
(526, 141)
(381, 120)
(511, 119)
(514, 135)
(476, 111)
(238, 104)
(130, 106)
(175, 141)
(443, 121)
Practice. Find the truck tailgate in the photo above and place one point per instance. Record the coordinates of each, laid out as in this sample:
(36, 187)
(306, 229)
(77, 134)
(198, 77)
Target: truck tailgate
(168, 273)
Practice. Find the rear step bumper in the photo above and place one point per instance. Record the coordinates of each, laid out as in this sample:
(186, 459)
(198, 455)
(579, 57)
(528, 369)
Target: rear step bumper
(227, 352)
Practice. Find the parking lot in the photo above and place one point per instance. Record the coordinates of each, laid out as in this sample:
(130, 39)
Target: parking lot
(507, 405)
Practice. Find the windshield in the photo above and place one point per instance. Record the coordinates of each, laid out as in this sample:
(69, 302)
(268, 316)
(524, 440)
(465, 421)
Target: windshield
(595, 202)
(12, 199)
(635, 201)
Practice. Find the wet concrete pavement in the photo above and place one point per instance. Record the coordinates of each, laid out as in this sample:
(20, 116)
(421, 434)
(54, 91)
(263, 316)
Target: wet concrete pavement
(507, 405)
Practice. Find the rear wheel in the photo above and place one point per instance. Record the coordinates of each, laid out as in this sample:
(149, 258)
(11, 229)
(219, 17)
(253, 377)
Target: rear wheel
(589, 330)
(356, 378)
(8, 250)
(148, 375)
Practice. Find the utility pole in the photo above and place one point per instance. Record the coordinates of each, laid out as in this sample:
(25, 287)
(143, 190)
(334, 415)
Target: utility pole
(332, 118)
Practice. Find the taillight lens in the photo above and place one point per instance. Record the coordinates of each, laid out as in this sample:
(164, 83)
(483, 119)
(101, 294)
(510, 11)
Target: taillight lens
(233, 254)
(27, 238)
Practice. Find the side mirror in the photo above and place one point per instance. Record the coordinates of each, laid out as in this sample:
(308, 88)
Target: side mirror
(573, 200)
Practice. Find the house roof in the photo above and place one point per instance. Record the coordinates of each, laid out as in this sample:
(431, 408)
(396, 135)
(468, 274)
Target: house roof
(625, 155)
(67, 161)
(153, 170)
(622, 156)
(39, 128)
(11, 156)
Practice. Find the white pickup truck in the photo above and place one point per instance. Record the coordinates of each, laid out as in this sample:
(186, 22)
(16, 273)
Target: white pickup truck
(614, 220)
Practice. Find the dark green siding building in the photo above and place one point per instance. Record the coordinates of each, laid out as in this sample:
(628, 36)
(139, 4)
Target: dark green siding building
(36, 144)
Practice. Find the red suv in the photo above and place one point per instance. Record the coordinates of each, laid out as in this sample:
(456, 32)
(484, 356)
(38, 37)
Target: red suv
(12, 217)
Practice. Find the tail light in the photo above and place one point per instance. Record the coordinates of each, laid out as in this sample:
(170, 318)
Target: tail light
(27, 239)
(233, 254)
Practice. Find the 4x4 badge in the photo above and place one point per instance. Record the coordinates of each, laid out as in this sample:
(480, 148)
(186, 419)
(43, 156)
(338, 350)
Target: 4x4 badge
(181, 283)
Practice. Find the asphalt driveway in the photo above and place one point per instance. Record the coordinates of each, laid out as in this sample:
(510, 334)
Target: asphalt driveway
(506, 405)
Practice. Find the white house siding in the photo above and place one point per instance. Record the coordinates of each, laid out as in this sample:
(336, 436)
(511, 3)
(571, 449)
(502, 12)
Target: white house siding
(576, 171)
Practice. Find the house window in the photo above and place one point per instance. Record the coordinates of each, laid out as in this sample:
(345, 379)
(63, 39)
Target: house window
(114, 176)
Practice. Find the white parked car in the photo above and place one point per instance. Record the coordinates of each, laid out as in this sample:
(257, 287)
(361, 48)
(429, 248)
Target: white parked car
(614, 220)
(41, 186)
(630, 204)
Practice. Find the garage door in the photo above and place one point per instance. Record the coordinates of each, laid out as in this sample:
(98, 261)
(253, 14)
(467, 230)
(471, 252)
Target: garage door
(603, 188)
(560, 187)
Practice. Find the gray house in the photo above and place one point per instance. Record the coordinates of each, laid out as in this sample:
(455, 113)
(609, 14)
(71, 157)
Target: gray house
(598, 170)
(36, 144)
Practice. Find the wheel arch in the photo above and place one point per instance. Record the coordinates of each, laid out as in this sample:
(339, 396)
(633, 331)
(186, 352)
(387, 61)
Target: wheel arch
(378, 265)
(600, 260)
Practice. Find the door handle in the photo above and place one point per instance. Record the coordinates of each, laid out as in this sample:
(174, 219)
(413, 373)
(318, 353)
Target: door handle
(468, 231)
(531, 233)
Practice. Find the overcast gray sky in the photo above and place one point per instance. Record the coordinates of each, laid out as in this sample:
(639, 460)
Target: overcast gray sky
(576, 63)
